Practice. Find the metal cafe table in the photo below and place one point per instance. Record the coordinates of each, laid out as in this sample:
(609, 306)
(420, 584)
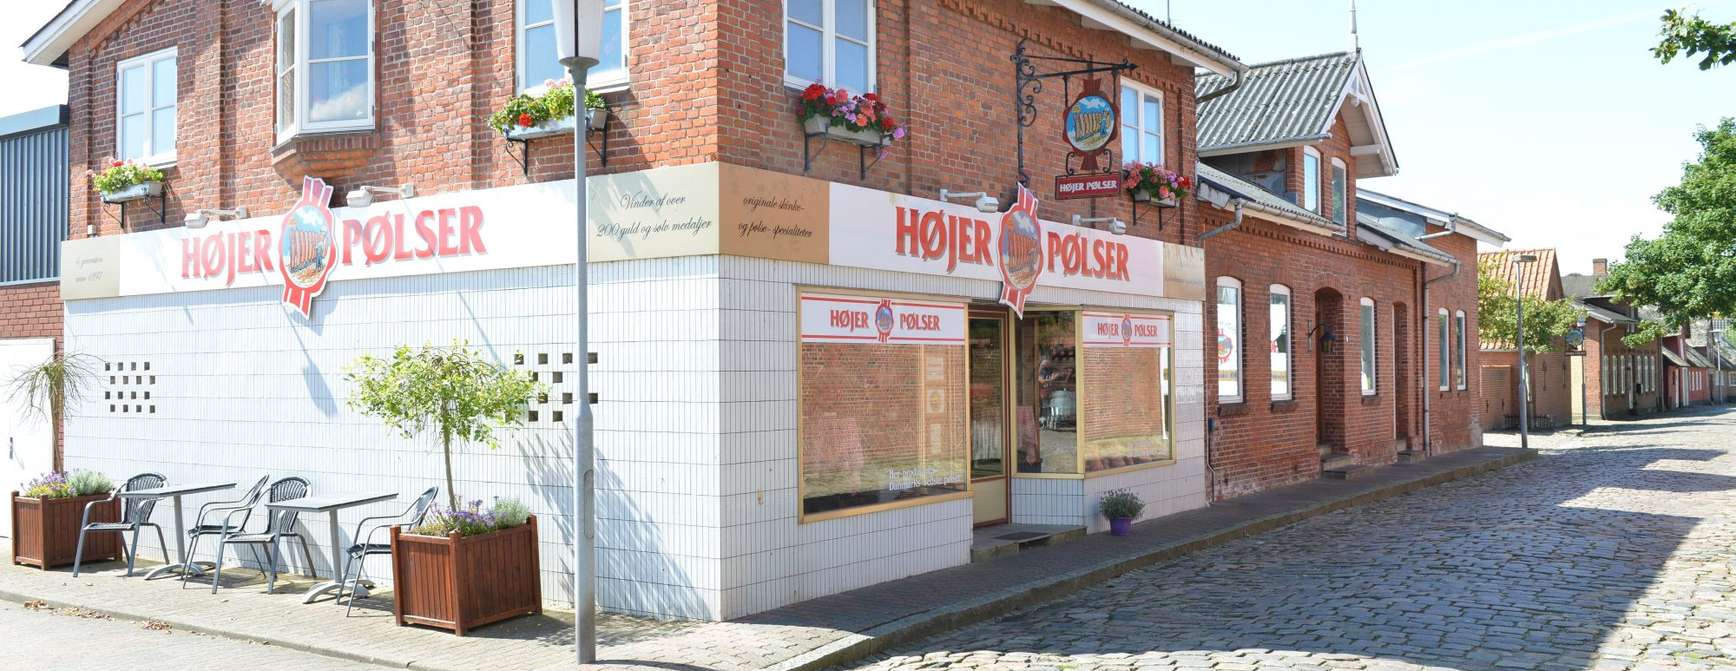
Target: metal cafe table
(174, 493)
(330, 505)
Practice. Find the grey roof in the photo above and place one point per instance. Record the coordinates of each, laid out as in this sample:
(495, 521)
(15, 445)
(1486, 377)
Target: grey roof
(1393, 235)
(1243, 189)
(1672, 357)
(1698, 360)
(36, 119)
(1578, 285)
(1602, 315)
(1171, 27)
(1283, 101)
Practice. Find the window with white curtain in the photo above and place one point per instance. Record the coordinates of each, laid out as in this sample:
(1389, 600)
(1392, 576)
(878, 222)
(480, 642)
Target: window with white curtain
(1229, 310)
(1282, 371)
(539, 58)
(1459, 350)
(1368, 342)
(1441, 346)
(1141, 124)
(325, 66)
(831, 42)
(146, 91)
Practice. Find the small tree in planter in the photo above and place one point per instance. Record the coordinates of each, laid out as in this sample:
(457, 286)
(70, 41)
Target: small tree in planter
(439, 569)
(46, 517)
(125, 181)
(1121, 507)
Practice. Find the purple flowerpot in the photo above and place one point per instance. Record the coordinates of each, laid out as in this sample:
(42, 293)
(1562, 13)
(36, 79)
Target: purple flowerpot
(1121, 526)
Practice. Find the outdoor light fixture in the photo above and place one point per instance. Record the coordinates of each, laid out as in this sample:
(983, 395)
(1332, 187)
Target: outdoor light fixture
(579, 44)
(363, 196)
(984, 202)
(1116, 226)
(198, 218)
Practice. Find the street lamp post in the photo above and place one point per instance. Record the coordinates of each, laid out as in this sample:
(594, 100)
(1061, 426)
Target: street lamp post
(1712, 336)
(578, 41)
(1519, 340)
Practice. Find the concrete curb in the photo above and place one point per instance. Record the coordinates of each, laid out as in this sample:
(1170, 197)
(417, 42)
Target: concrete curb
(928, 623)
(923, 625)
(6, 595)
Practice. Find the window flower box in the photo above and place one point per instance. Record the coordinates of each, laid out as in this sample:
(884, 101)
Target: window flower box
(862, 120)
(543, 129)
(867, 137)
(138, 191)
(526, 117)
(45, 529)
(1152, 183)
(459, 582)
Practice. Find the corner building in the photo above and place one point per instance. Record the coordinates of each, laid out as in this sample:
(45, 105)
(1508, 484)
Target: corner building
(807, 379)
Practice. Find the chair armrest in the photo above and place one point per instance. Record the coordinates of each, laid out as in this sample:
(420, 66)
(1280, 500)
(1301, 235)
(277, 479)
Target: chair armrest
(85, 519)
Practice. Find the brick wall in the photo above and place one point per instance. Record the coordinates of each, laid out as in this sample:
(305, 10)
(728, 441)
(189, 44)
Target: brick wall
(1454, 414)
(1551, 390)
(1612, 400)
(34, 311)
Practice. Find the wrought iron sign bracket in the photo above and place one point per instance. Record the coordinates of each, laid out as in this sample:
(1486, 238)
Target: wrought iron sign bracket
(1028, 82)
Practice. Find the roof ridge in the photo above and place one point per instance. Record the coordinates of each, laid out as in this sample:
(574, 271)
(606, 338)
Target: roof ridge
(1291, 61)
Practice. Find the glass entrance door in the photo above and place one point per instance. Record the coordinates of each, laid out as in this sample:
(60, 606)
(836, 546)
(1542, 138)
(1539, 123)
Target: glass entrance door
(988, 417)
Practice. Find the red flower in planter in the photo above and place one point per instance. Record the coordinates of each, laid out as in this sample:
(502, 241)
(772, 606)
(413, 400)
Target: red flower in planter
(815, 91)
(525, 120)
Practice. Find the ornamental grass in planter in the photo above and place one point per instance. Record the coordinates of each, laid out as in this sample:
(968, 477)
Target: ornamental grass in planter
(467, 568)
(45, 519)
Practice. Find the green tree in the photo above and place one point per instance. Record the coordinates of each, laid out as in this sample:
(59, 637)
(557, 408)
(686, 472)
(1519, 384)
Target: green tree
(1546, 321)
(1688, 35)
(1647, 331)
(452, 389)
(1689, 271)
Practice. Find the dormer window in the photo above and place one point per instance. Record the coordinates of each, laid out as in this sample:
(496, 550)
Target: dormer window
(325, 66)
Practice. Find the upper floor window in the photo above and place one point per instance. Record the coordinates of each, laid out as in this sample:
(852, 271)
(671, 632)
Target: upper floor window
(1310, 179)
(325, 66)
(1229, 311)
(1340, 195)
(539, 59)
(1459, 350)
(1441, 339)
(1141, 124)
(145, 108)
(831, 42)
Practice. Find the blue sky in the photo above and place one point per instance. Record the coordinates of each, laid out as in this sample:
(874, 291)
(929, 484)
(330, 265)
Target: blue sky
(1545, 119)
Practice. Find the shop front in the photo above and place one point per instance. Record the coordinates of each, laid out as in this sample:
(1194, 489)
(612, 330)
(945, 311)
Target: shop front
(802, 387)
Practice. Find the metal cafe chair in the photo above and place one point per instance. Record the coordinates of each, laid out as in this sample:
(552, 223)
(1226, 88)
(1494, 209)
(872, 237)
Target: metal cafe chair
(365, 545)
(279, 524)
(201, 528)
(134, 514)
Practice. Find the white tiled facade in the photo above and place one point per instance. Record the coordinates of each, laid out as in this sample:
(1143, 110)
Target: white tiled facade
(695, 425)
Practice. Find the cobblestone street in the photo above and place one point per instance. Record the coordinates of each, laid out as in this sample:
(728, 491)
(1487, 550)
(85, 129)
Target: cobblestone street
(1612, 551)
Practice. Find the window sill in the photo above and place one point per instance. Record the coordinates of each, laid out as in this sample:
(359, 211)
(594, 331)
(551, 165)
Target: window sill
(1284, 405)
(1129, 469)
(1370, 400)
(1235, 409)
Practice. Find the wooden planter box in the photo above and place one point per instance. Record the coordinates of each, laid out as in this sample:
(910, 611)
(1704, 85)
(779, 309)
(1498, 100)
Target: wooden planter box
(45, 531)
(460, 583)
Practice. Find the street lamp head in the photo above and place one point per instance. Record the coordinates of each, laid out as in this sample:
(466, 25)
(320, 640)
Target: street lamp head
(578, 31)
(1526, 258)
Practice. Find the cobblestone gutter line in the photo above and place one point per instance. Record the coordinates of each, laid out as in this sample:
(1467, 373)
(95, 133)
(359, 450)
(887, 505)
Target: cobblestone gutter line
(929, 623)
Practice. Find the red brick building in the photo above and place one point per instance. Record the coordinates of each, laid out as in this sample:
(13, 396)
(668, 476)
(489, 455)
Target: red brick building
(1552, 389)
(1345, 339)
(1620, 381)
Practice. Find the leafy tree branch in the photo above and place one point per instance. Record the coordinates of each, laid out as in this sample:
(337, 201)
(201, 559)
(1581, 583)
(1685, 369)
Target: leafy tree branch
(1688, 35)
(1546, 321)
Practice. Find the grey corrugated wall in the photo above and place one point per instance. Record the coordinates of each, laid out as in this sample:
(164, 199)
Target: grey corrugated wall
(33, 202)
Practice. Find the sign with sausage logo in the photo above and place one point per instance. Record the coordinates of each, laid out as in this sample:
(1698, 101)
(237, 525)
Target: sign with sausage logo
(868, 320)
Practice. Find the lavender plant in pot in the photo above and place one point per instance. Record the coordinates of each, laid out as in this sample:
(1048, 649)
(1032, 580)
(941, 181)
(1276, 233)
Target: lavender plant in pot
(1121, 507)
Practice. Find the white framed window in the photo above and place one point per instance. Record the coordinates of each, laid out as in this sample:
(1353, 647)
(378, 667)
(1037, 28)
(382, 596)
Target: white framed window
(1459, 350)
(1368, 343)
(539, 60)
(1603, 375)
(146, 89)
(1446, 361)
(1340, 191)
(1141, 124)
(1310, 179)
(325, 66)
(1282, 343)
(831, 42)
(1229, 340)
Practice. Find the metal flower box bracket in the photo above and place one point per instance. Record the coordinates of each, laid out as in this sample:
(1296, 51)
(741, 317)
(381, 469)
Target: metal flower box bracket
(145, 191)
(820, 129)
(1140, 196)
(522, 135)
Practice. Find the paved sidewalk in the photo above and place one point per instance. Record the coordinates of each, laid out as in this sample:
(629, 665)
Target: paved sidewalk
(810, 635)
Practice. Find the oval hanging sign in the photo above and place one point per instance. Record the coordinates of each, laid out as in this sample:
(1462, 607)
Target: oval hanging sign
(1090, 122)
